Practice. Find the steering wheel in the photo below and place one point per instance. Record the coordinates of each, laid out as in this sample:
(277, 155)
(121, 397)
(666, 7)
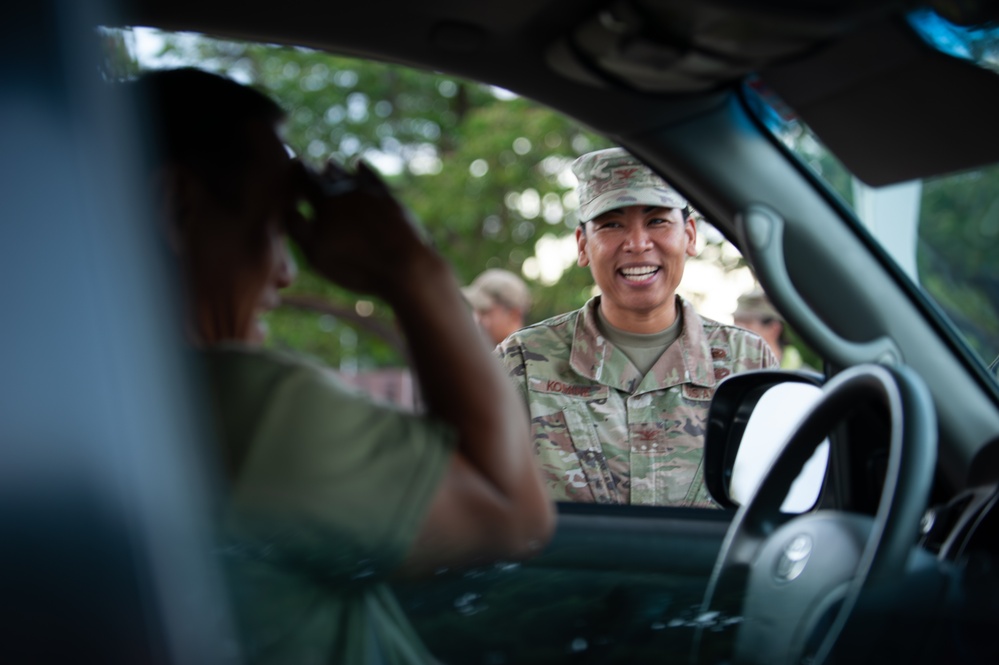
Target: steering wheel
(799, 579)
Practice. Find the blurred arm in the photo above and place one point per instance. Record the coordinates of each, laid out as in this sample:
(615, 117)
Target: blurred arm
(491, 502)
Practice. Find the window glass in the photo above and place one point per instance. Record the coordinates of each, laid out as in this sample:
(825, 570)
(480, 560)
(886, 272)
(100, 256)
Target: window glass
(943, 232)
(487, 173)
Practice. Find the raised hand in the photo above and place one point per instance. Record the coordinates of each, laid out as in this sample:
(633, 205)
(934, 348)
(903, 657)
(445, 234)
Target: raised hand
(357, 234)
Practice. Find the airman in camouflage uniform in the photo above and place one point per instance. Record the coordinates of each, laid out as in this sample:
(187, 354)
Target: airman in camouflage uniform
(604, 430)
(605, 433)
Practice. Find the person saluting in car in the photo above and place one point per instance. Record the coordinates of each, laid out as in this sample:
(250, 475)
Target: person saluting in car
(618, 391)
(327, 491)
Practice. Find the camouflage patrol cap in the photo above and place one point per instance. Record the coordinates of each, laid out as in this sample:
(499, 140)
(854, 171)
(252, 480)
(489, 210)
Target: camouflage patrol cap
(755, 306)
(612, 178)
(498, 287)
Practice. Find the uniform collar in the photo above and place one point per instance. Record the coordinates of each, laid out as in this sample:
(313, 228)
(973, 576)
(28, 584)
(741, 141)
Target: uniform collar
(688, 360)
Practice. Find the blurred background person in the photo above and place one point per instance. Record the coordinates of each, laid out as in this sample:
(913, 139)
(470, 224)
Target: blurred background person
(500, 301)
(754, 312)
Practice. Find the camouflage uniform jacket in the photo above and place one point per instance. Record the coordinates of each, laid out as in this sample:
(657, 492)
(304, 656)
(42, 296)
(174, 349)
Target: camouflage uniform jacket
(606, 434)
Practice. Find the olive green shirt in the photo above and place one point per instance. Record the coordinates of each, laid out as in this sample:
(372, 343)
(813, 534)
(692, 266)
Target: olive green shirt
(606, 433)
(328, 491)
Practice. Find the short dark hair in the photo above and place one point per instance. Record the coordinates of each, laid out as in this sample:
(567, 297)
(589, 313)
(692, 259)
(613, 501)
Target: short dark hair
(200, 121)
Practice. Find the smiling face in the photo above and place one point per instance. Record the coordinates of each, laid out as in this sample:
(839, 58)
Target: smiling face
(636, 255)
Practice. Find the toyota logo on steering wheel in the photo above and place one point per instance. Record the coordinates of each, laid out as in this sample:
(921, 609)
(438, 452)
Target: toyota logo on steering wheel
(793, 558)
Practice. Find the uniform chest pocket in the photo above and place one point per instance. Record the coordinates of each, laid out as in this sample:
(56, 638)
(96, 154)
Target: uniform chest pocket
(560, 415)
(566, 441)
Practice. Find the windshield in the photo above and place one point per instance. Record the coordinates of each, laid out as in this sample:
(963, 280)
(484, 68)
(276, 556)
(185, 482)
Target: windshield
(943, 232)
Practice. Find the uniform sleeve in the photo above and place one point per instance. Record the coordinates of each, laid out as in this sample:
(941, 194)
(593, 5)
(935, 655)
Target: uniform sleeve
(752, 352)
(769, 359)
(511, 355)
(329, 463)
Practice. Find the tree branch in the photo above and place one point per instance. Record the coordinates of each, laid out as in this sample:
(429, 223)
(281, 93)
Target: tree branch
(314, 303)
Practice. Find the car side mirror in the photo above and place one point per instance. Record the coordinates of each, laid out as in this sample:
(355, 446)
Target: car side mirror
(750, 418)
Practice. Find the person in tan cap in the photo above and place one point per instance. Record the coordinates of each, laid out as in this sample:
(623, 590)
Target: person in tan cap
(619, 390)
(500, 300)
(754, 312)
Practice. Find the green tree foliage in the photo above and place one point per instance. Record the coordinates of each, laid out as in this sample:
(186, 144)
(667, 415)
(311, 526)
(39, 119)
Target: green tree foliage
(118, 62)
(956, 257)
(479, 167)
